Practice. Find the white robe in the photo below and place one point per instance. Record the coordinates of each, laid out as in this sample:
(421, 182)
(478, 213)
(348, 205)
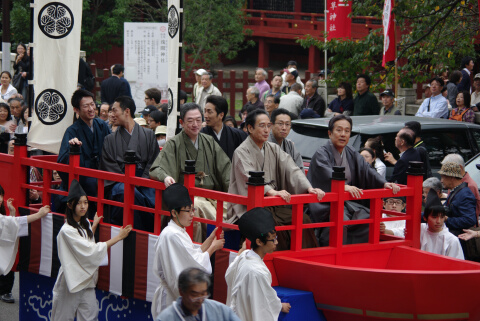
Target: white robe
(250, 293)
(174, 252)
(443, 242)
(11, 228)
(397, 227)
(80, 258)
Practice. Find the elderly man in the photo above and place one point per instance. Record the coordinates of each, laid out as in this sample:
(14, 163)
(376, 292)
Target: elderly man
(358, 173)
(293, 101)
(208, 89)
(193, 304)
(436, 106)
(281, 124)
(17, 126)
(276, 88)
(365, 103)
(211, 163)
(227, 137)
(129, 136)
(253, 95)
(250, 293)
(388, 100)
(282, 174)
(460, 201)
(435, 184)
(458, 159)
(313, 105)
(104, 112)
(270, 105)
(261, 84)
(404, 142)
(197, 88)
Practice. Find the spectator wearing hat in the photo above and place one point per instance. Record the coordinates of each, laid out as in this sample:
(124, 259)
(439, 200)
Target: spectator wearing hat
(291, 77)
(141, 121)
(293, 101)
(250, 293)
(153, 96)
(436, 106)
(208, 89)
(434, 235)
(476, 92)
(427, 92)
(161, 134)
(396, 228)
(197, 87)
(389, 108)
(146, 112)
(261, 84)
(290, 64)
(365, 103)
(157, 118)
(275, 89)
(312, 99)
(452, 90)
(460, 201)
(467, 67)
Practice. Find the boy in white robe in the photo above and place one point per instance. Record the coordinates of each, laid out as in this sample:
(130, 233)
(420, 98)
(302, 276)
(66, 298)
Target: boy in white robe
(80, 257)
(396, 228)
(175, 251)
(434, 235)
(250, 293)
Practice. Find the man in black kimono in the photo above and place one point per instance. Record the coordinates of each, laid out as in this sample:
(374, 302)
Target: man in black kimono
(359, 175)
(216, 108)
(129, 136)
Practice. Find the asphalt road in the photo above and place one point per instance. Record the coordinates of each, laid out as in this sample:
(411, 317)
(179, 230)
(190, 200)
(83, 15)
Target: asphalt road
(9, 311)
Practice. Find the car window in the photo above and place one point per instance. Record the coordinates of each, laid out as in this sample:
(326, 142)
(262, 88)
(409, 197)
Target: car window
(440, 143)
(476, 137)
(472, 170)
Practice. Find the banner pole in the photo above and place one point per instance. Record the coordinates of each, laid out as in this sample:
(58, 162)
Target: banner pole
(325, 51)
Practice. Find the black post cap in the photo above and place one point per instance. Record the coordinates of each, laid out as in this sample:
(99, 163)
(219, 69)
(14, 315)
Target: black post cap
(20, 140)
(130, 157)
(415, 168)
(190, 167)
(338, 173)
(75, 149)
(256, 178)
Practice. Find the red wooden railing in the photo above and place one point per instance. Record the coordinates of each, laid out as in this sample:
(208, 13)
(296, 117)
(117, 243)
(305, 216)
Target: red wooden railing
(16, 167)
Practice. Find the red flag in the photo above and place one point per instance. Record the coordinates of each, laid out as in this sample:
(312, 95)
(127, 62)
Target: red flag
(339, 25)
(388, 33)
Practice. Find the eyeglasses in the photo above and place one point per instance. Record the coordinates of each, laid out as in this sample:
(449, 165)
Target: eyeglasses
(274, 239)
(396, 202)
(287, 125)
(263, 125)
(192, 210)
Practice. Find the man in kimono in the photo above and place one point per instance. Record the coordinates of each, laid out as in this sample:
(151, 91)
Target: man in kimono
(216, 108)
(88, 132)
(250, 293)
(129, 136)
(358, 173)
(282, 174)
(281, 124)
(211, 163)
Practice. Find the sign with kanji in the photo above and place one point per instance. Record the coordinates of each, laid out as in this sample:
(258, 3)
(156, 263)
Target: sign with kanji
(339, 24)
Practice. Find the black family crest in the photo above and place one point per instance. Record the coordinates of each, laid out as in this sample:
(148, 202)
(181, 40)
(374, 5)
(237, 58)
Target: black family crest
(172, 21)
(50, 106)
(55, 20)
(170, 101)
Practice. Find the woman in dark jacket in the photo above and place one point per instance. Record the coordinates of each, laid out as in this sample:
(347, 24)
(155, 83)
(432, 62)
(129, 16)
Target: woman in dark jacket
(343, 104)
(22, 66)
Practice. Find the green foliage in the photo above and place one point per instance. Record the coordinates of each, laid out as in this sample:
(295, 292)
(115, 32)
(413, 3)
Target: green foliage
(20, 23)
(435, 36)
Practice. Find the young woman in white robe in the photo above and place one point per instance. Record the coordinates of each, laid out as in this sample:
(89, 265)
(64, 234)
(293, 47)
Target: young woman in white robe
(175, 251)
(80, 257)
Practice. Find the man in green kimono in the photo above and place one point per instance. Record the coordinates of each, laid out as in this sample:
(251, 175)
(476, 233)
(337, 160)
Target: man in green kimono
(211, 163)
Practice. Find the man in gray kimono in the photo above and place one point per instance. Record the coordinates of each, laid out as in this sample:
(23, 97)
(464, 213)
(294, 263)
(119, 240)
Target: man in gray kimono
(359, 175)
(211, 163)
(129, 136)
(283, 175)
(281, 124)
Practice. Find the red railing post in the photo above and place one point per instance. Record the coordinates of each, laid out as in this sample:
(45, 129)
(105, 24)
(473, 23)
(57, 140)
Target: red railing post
(73, 162)
(233, 92)
(414, 203)
(21, 172)
(297, 221)
(220, 81)
(189, 182)
(129, 188)
(47, 183)
(376, 214)
(256, 190)
(337, 209)
(244, 86)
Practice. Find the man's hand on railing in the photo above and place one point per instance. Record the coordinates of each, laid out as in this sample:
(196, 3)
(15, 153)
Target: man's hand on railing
(354, 191)
(320, 194)
(168, 181)
(394, 187)
(283, 194)
(75, 141)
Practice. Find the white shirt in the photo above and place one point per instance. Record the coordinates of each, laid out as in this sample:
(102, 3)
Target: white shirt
(397, 227)
(443, 242)
(380, 167)
(11, 228)
(438, 107)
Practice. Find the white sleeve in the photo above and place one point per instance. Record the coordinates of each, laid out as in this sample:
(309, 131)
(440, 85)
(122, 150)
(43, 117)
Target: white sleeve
(22, 225)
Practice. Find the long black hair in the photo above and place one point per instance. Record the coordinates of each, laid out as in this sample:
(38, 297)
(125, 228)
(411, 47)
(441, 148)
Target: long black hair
(2, 206)
(83, 223)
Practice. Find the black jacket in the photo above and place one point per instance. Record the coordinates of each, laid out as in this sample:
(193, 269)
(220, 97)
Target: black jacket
(229, 141)
(400, 170)
(113, 87)
(316, 103)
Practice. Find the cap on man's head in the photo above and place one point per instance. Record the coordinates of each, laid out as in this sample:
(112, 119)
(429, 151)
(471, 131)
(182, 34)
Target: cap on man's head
(75, 191)
(477, 76)
(161, 130)
(291, 63)
(451, 169)
(201, 72)
(176, 196)
(147, 110)
(256, 223)
(387, 92)
(292, 71)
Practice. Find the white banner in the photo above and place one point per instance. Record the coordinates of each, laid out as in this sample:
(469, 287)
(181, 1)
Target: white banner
(174, 43)
(145, 59)
(56, 43)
